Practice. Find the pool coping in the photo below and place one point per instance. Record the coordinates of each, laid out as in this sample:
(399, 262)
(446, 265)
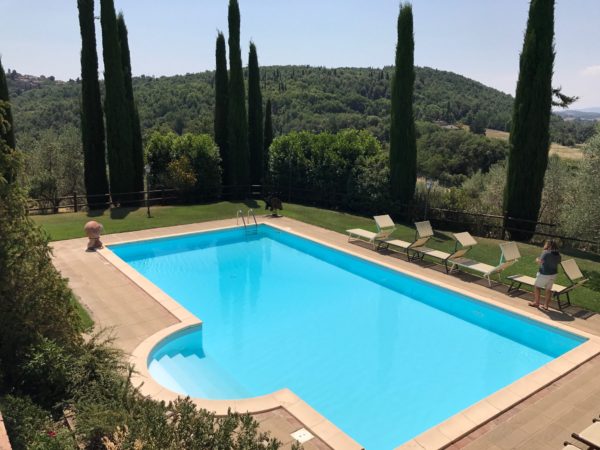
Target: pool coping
(442, 435)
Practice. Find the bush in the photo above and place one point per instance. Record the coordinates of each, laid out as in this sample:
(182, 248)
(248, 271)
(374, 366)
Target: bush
(323, 165)
(31, 427)
(35, 302)
(369, 186)
(190, 162)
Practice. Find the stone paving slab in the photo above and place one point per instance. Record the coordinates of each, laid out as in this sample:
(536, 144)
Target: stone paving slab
(4, 442)
(546, 420)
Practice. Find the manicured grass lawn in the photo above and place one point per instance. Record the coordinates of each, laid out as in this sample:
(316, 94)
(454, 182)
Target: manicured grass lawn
(70, 225)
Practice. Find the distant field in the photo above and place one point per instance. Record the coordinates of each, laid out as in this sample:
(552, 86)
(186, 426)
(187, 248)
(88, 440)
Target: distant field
(555, 149)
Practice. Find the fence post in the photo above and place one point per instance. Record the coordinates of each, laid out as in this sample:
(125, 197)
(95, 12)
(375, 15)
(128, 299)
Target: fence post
(75, 206)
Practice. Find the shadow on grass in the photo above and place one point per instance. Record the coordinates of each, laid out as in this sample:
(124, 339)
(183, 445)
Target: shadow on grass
(593, 279)
(121, 213)
(96, 212)
(251, 203)
(581, 254)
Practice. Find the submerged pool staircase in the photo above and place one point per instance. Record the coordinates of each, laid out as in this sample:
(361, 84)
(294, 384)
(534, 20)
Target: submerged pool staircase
(246, 221)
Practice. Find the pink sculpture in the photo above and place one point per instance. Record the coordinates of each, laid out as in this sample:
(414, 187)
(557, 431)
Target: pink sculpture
(93, 230)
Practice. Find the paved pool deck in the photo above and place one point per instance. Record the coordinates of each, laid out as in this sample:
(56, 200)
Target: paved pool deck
(543, 420)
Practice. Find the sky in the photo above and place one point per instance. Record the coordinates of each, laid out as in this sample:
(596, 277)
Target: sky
(480, 39)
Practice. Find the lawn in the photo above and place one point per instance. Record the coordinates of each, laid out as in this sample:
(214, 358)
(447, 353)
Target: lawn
(86, 320)
(70, 225)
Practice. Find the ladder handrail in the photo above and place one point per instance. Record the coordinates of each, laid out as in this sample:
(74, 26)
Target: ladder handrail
(240, 214)
(251, 211)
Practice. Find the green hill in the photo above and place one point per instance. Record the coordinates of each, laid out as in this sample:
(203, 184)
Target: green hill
(304, 98)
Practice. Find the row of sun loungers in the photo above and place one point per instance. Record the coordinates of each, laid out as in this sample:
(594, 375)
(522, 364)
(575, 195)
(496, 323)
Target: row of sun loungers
(464, 242)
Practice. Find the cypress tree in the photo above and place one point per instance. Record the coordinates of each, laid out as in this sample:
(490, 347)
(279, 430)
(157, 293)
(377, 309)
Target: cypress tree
(403, 144)
(118, 117)
(530, 137)
(255, 118)
(268, 138)
(7, 133)
(238, 121)
(221, 106)
(92, 122)
(137, 149)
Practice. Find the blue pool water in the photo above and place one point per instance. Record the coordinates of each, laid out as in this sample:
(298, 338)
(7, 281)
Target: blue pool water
(382, 355)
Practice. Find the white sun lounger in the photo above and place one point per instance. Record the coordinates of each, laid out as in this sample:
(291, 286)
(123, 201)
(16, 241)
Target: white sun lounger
(424, 229)
(422, 235)
(590, 436)
(509, 255)
(572, 272)
(385, 227)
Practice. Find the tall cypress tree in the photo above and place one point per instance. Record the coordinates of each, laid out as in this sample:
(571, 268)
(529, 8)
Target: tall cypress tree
(7, 134)
(221, 106)
(137, 149)
(255, 118)
(118, 116)
(529, 136)
(403, 144)
(238, 120)
(92, 122)
(268, 138)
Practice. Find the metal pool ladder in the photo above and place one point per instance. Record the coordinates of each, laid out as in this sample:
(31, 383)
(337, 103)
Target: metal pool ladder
(246, 221)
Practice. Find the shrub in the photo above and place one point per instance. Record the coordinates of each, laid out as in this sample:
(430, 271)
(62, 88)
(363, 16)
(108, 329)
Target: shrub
(190, 162)
(321, 164)
(31, 428)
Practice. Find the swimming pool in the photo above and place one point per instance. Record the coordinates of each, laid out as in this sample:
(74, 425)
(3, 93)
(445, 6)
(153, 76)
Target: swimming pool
(382, 355)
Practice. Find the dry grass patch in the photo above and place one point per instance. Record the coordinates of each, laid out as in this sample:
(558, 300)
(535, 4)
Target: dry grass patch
(555, 149)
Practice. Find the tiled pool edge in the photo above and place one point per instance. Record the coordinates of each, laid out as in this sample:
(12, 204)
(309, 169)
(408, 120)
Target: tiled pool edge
(440, 436)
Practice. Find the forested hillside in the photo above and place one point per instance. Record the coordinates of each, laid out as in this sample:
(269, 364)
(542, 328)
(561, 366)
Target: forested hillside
(303, 98)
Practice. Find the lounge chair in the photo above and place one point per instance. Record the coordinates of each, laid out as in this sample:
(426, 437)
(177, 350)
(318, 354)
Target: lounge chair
(463, 244)
(569, 446)
(572, 272)
(422, 234)
(590, 436)
(385, 227)
(510, 255)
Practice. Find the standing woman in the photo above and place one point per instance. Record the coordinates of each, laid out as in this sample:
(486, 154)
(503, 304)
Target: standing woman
(548, 261)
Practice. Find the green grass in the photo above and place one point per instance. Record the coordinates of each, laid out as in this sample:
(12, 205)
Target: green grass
(70, 225)
(86, 321)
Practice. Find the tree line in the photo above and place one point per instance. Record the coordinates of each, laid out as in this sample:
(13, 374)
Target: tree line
(238, 127)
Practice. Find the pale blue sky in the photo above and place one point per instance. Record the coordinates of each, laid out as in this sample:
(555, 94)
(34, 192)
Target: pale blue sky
(480, 39)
